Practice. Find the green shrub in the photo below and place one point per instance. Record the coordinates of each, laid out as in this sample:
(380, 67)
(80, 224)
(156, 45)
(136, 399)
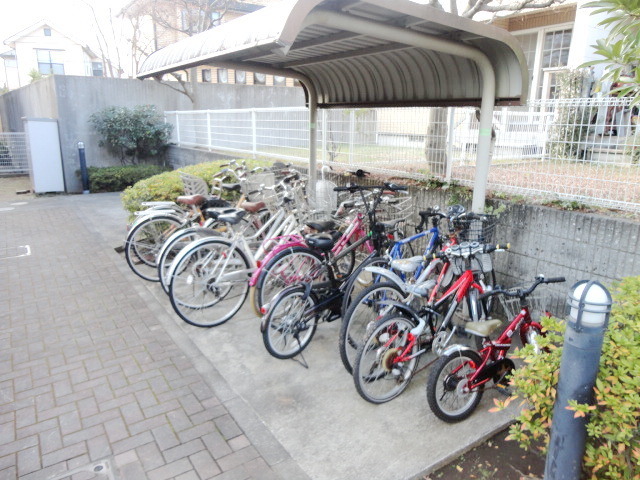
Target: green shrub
(134, 133)
(116, 179)
(167, 186)
(613, 430)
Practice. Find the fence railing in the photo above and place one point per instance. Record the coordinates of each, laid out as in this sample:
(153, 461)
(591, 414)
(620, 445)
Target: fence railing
(584, 150)
(14, 158)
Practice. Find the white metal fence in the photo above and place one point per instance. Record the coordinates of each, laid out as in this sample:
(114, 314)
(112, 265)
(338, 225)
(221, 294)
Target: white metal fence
(585, 150)
(13, 154)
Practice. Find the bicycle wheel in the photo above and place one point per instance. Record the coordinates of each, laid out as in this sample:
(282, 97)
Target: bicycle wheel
(361, 279)
(172, 247)
(209, 282)
(446, 386)
(288, 330)
(361, 316)
(145, 240)
(379, 372)
(292, 266)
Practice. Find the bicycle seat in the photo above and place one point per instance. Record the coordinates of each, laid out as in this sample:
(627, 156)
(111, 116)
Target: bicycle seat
(231, 187)
(391, 224)
(321, 226)
(191, 199)
(214, 213)
(233, 217)
(482, 329)
(407, 265)
(320, 241)
(252, 207)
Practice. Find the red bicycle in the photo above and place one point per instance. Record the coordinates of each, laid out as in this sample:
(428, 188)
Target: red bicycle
(456, 382)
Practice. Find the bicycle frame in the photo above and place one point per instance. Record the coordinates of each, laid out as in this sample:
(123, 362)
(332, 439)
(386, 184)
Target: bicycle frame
(496, 350)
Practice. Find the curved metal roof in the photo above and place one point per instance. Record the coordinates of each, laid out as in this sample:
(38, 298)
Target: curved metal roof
(364, 53)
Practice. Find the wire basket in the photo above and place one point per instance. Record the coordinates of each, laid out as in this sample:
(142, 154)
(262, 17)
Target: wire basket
(476, 229)
(538, 305)
(256, 181)
(478, 263)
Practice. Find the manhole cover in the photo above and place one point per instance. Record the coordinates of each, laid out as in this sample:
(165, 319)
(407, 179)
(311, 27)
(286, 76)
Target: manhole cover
(101, 470)
(15, 252)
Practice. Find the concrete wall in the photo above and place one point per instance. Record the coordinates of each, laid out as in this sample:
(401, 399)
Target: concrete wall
(72, 100)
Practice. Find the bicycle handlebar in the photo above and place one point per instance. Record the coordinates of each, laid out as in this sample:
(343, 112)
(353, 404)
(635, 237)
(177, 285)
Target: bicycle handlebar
(355, 188)
(522, 292)
(468, 249)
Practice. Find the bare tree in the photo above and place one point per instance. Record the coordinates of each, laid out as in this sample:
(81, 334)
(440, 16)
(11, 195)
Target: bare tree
(170, 21)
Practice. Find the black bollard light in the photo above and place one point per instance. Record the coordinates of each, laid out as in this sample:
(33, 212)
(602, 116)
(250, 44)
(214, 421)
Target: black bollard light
(590, 304)
(84, 175)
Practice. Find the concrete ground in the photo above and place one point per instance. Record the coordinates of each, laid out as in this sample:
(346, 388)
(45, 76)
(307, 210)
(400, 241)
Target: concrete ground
(97, 372)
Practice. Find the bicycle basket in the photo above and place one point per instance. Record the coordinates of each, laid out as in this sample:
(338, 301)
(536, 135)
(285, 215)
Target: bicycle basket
(538, 305)
(479, 263)
(476, 229)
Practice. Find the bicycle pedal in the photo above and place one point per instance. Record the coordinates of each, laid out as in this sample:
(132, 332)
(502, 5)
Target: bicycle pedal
(503, 390)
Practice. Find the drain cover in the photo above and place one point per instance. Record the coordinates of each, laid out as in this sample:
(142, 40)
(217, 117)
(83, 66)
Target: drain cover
(100, 470)
(15, 252)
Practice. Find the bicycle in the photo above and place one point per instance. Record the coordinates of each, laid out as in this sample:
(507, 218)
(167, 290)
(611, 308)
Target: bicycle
(366, 305)
(292, 317)
(457, 381)
(292, 265)
(388, 356)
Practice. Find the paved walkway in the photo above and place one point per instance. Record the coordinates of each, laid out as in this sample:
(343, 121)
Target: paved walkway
(91, 382)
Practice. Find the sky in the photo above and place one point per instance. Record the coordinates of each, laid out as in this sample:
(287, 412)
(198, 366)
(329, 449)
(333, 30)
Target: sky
(73, 17)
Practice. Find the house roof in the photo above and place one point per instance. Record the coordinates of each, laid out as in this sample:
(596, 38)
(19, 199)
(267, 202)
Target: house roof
(361, 52)
(41, 24)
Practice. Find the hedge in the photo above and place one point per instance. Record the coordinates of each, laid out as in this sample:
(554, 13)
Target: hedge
(116, 179)
(167, 186)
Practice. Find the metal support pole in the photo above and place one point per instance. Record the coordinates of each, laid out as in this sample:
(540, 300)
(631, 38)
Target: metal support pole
(590, 306)
(352, 134)
(84, 175)
(254, 133)
(449, 166)
(398, 34)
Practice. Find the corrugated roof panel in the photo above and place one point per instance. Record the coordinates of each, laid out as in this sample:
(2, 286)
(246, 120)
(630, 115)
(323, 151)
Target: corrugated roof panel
(348, 65)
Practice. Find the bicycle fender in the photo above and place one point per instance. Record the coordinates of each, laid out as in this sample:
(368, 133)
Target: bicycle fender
(187, 250)
(455, 348)
(389, 275)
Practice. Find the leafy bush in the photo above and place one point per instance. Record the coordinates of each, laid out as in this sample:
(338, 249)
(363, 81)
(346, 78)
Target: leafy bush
(167, 186)
(613, 431)
(135, 133)
(116, 179)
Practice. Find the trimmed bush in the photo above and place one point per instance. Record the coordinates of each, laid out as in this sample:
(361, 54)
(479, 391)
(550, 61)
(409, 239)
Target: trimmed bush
(167, 186)
(116, 179)
(613, 430)
(132, 134)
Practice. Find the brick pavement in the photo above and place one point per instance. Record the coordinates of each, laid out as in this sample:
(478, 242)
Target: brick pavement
(96, 381)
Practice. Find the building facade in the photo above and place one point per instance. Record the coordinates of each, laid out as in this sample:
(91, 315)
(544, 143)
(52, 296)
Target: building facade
(42, 49)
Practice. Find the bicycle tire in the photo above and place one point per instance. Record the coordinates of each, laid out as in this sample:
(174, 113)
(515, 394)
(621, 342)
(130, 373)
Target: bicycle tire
(288, 267)
(377, 377)
(195, 286)
(144, 241)
(362, 313)
(285, 320)
(444, 383)
(176, 242)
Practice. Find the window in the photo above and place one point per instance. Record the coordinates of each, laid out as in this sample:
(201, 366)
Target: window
(259, 79)
(241, 77)
(50, 62)
(97, 69)
(223, 75)
(279, 81)
(47, 32)
(215, 18)
(206, 75)
(546, 52)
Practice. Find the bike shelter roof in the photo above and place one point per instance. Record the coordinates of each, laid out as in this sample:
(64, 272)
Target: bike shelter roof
(315, 39)
(366, 53)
